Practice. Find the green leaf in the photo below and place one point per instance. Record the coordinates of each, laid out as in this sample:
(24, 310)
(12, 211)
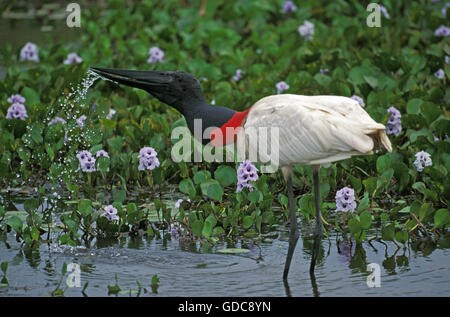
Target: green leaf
(201, 177)
(401, 236)
(383, 163)
(119, 196)
(31, 96)
(15, 223)
(207, 229)
(247, 222)
(441, 217)
(197, 228)
(4, 267)
(215, 191)
(413, 106)
(354, 226)
(365, 219)
(85, 207)
(225, 175)
(255, 196)
(387, 232)
(187, 186)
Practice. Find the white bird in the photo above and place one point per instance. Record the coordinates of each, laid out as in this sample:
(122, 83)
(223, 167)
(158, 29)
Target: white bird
(312, 130)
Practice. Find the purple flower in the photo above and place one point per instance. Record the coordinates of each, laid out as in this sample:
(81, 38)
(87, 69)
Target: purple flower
(444, 10)
(394, 123)
(29, 53)
(87, 161)
(148, 159)
(306, 30)
(422, 159)
(359, 100)
(289, 6)
(102, 153)
(447, 59)
(17, 111)
(246, 172)
(179, 201)
(323, 71)
(156, 55)
(111, 213)
(111, 113)
(281, 86)
(16, 99)
(73, 58)
(384, 11)
(238, 75)
(57, 120)
(94, 107)
(442, 31)
(345, 199)
(439, 74)
(80, 121)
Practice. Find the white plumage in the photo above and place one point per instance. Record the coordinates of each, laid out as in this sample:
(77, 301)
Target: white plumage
(315, 130)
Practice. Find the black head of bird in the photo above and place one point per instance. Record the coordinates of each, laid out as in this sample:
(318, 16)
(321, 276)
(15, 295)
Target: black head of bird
(179, 90)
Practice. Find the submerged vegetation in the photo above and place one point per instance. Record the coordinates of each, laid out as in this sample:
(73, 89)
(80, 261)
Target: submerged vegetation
(97, 149)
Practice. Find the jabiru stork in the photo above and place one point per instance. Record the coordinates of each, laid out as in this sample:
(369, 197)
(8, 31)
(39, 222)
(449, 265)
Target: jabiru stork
(313, 130)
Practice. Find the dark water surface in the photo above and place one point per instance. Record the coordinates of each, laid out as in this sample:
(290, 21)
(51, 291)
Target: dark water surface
(192, 269)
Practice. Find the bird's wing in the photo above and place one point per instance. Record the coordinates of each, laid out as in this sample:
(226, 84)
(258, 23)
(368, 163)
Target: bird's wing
(314, 129)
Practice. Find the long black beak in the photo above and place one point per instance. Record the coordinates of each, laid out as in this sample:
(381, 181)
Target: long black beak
(143, 79)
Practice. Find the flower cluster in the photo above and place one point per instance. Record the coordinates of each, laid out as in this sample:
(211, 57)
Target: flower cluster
(156, 55)
(442, 31)
(57, 120)
(394, 123)
(148, 159)
(238, 75)
(345, 199)
(281, 86)
(289, 6)
(87, 161)
(111, 213)
(422, 159)
(73, 58)
(29, 53)
(359, 100)
(80, 121)
(246, 172)
(17, 110)
(439, 74)
(306, 30)
(111, 113)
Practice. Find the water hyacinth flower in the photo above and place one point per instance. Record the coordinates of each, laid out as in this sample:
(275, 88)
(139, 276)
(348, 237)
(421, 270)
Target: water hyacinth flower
(323, 71)
(29, 53)
(359, 100)
(246, 172)
(439, 74)
(422, 159)
(111, 213)
(156, 55)
(442, 31)
(444, 9)
(17, 111)
(238, 75)
(102, 153)
(394, 123)
(111, 113)
(281, 86)
(148, 159)
(179, 201)
(345, 199)
(447, 59)
(73, 58)
(306, 30)
(57, 120)
(16, 99)
(80, 121)
(384, 11)
(289, 6)
(87, 161)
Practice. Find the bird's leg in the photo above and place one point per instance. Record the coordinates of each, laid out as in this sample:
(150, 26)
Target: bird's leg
(319, 230)
(293, 232)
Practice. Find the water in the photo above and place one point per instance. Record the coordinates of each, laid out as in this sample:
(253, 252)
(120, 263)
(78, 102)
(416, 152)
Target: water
(192, 269)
